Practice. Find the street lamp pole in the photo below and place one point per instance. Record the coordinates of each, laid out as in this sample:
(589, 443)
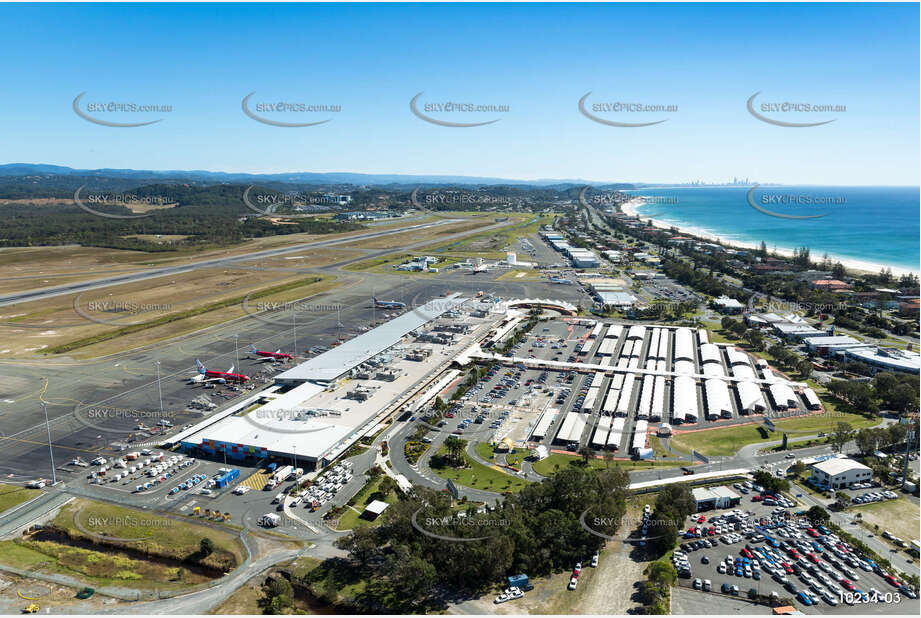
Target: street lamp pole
(236, 349)
(54, 478)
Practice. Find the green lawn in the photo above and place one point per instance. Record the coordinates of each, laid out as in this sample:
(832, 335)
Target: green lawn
(546, 467)
(478, 476)
(350, 519)
(485, 450)
(728, 440)
(11, 495)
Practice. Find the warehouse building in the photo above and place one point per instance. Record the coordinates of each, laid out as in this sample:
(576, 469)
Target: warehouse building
(839, 473)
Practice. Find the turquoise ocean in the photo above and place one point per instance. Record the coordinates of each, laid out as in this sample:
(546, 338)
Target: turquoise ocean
(878, 226)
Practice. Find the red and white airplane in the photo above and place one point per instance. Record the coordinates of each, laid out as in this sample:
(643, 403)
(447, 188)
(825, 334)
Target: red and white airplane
(220, 377)
(273, 357)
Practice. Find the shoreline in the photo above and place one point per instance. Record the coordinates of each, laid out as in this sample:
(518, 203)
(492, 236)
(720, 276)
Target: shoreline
(630, 208)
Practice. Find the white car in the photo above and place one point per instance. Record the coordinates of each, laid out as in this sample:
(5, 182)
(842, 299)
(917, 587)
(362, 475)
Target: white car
(241, 489)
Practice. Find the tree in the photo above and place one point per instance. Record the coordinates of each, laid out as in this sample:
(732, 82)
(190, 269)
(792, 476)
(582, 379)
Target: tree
(798, 468)
(206, 546)
(455, 447)
(587, 454)
(842, 434)
(804, 367)
(817, 516)
(842, 500)
(755, 339)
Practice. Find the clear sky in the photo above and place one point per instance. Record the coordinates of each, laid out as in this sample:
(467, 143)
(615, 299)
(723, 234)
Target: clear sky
(537, 59)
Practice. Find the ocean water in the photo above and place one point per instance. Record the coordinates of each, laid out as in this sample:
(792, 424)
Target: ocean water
(875, 225)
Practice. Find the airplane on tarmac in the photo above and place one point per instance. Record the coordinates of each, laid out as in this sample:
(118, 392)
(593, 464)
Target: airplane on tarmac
(387, 304)
(217, 377)
(273, 357)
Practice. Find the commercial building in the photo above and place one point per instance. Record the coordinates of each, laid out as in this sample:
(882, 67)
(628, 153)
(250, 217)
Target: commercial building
(891, 359)
(724, 304)
(839, 473)
(708, 498)
(830, 344)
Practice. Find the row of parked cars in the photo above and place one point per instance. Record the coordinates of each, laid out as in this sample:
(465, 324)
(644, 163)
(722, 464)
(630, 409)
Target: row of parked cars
(875, 496)
(577, 570)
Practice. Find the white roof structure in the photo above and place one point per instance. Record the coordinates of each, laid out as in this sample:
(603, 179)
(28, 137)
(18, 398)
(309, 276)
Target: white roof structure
(639, 435)
(685, 366)
(751, 397)
(737, 356)
(376, 507)
(543, 424)
(610, 401)
(811, 398)
(572, 427)
(783, 395)
(684, 400)
(590, 397)
(607, 347)
(626, 393)
(888, 358)
(644, 408)
(703, 336)
(683, 345)
(339, 360)
(636, 332)
(743, 371)
(617, 432)
(658, 398)
(728, 303)
(614, 332)
(709, 353)
(717, 397)
(600, 437)
(833, 467)
(713, 369)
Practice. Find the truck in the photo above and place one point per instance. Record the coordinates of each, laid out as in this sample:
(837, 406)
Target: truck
(294, 474)
(269, 520)
(272, 466)
(282, 473)
(520, 581)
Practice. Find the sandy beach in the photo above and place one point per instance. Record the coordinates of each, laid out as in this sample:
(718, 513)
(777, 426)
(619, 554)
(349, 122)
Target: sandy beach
(631, 209)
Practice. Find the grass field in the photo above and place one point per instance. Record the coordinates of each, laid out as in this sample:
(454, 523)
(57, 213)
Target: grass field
(11, 495)
(900, 517)
(183, 304)
(728, 440)
(546, 467)
(478, 476)
(350, 519)
(155, 534)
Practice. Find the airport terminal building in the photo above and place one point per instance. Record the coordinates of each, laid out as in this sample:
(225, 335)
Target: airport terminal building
(310, 414)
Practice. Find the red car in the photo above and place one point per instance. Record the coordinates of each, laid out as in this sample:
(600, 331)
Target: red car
(889, 578)
(812, 558)
(757, 498)
(701, 519)
(786, 567)
(746, 553)
(847, 584)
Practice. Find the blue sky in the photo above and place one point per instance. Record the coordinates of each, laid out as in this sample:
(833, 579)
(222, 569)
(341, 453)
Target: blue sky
(537, 59)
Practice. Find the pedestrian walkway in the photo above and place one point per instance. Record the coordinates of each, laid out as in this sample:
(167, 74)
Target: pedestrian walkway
(257, 480)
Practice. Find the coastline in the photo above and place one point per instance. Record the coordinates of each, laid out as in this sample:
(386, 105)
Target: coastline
(631, 207)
